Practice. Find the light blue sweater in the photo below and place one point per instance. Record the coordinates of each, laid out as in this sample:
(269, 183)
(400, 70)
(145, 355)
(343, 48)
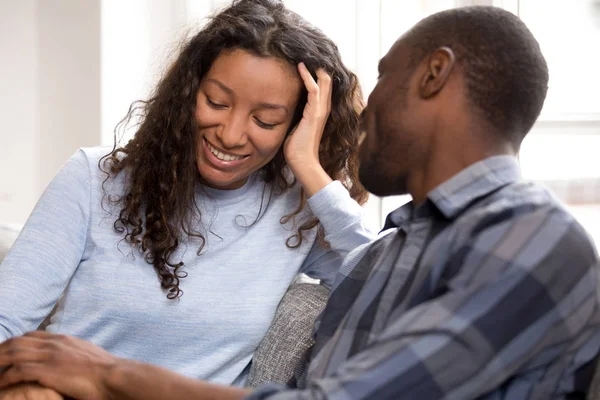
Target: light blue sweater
(113, 298)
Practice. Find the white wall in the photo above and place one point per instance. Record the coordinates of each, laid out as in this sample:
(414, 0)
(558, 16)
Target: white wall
(50, 80)
(138, 38)
(69, 81)
(18, 109)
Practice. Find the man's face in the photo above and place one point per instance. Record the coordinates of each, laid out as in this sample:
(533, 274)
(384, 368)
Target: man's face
(392, 146)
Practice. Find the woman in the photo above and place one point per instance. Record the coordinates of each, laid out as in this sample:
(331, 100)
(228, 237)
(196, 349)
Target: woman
(176, 248)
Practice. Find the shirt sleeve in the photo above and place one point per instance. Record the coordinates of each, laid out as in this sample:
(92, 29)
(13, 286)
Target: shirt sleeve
(47, 252)
(522, 283)
(342, 220)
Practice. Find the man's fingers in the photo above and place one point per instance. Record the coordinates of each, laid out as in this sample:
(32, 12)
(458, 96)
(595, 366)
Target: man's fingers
(29, 391)
(18, 356)
(20, 373)
(26, 349)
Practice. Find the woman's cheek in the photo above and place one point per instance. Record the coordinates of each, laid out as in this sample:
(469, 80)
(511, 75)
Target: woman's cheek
(268, 142)
(206, 116)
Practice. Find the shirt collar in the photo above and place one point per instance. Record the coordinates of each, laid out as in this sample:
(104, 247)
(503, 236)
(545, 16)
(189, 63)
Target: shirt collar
(457, 193)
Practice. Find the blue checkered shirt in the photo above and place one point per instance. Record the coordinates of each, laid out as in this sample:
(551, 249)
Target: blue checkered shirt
(487, 290)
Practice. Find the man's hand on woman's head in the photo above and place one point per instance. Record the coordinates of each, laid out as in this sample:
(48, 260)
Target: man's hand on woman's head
(66, 364)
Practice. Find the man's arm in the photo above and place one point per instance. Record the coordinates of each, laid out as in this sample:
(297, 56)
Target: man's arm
(82, 370)
(131, 380)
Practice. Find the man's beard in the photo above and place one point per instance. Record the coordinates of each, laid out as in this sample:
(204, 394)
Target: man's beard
(379, 180)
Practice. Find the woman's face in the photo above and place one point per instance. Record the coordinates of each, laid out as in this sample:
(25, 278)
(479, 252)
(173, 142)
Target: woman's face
(244, 108)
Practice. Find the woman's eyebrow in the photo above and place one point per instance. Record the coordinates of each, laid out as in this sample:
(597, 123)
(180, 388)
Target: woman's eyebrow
(271, 106)
(230, 91)
(221, 85)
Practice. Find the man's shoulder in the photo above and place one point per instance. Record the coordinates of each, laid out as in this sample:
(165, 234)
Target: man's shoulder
(521, 199)
(529, 214)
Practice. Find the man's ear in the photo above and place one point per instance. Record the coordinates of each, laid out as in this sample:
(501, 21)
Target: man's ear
(438, 69)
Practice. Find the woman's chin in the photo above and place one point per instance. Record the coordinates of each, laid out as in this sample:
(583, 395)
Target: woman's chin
(222, 184)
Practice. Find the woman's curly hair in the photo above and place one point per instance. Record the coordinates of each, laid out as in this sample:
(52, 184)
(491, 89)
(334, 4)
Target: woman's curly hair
(158, 207)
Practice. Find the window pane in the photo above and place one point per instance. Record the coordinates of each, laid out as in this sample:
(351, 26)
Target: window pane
(589, 217)
(399, 16)
(568, 165)
(569, 35)
(561, 156)
(341, 28)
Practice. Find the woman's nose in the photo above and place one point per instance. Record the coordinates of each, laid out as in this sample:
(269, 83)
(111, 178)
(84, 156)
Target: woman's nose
(233, 132)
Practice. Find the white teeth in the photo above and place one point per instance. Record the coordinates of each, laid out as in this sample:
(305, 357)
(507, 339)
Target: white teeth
(222, 156)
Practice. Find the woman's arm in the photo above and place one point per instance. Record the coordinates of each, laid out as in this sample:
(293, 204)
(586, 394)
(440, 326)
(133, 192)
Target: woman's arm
(329, 201)
(45, 255)
(342, 220)
(301, 148)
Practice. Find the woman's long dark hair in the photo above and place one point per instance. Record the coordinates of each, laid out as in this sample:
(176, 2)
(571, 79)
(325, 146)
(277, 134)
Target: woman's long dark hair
(158, 207)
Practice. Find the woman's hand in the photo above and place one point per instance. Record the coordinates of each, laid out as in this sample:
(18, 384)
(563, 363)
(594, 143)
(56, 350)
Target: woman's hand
(70, 366)
(301, 148)
(29, 391)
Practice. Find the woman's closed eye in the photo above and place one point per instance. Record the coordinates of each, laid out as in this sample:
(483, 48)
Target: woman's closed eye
(216, 106)
(264, 125)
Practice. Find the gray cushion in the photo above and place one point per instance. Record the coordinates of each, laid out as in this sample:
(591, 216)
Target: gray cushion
(285, 345)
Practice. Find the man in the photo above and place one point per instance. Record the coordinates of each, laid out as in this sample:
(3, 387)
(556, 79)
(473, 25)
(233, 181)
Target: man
(485, 286)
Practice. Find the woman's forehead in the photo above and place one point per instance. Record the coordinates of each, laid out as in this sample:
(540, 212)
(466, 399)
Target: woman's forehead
(246, 74)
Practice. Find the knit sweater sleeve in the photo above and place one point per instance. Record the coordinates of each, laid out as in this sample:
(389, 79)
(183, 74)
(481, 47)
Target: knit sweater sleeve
(343, 221)
(47, 252)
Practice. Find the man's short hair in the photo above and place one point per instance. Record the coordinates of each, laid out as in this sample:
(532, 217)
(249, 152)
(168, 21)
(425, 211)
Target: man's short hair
(504, 69)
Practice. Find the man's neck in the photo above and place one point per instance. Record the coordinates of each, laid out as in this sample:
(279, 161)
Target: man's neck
(445, 161)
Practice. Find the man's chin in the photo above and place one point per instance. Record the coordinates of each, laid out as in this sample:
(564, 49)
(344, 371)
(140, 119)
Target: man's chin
(380, 185)
(381, 191)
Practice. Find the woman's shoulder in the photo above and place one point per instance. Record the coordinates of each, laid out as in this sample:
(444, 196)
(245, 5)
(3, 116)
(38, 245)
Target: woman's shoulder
(90, 161)
(93, 155)
(94, 158)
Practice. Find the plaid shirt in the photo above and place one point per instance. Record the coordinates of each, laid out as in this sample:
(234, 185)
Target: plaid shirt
(488, 290)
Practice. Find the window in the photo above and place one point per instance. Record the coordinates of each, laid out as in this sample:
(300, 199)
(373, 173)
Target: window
(571, 49)
(561, 149)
